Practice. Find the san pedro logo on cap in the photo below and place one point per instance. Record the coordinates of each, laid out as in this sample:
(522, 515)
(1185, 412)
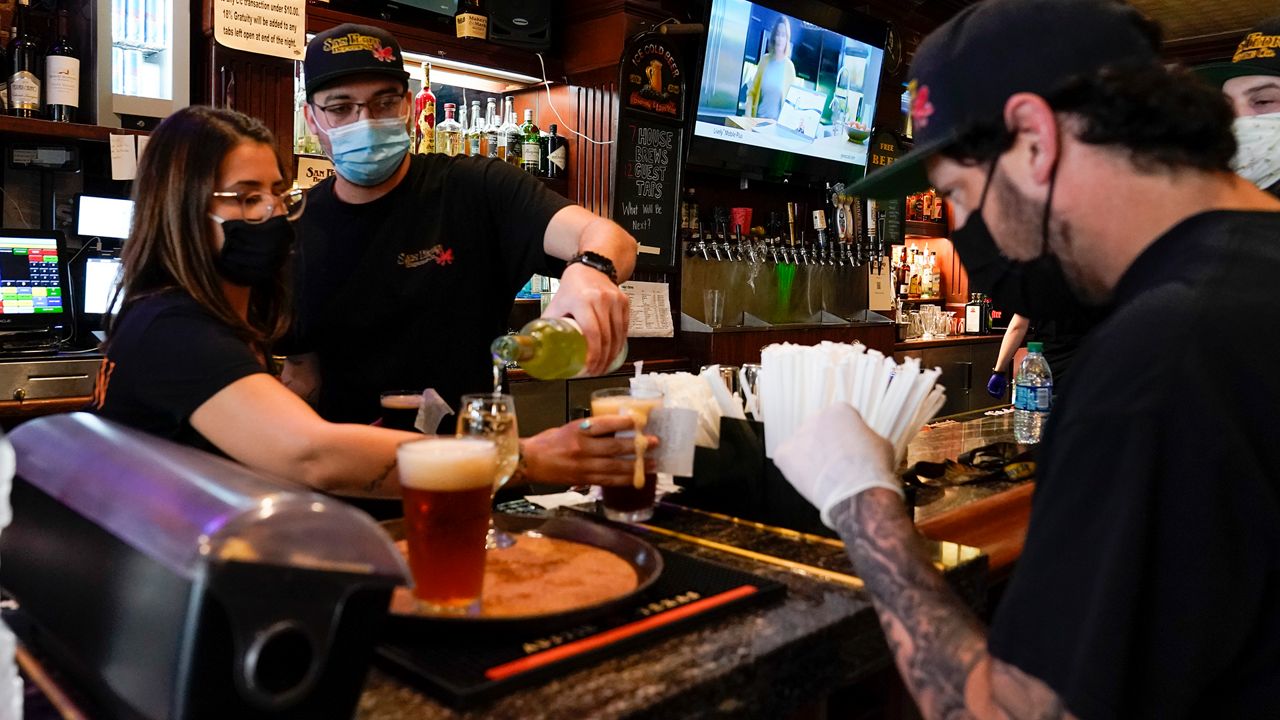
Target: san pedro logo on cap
(1256, 46)
(352, 42)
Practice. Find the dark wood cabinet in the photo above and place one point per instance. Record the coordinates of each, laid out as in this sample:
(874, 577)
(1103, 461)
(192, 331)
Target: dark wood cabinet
(256, 85)
(965, 371)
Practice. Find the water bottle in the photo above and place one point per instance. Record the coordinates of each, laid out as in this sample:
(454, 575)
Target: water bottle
(1032, 396)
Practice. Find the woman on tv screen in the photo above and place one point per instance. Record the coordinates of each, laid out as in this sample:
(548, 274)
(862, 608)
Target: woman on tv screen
(775, 75)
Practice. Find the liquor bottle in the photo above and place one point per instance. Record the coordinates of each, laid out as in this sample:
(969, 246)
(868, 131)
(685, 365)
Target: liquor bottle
(424, 115)
(476, 132)
(491, 126)
(24, 66)
(549, 349)
(461, 116)
(511, 135)
(936, 290)
(471, 20)
(530, 147)
(973, 315)
(449, 133)
(61, 76)
(556, 155)
(904, 274)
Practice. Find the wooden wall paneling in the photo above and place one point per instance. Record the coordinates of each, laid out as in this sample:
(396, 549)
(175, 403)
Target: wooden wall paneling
(256, 85)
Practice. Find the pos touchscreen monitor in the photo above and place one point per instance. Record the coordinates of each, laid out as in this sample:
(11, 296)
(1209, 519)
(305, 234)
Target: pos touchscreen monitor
(33, 281)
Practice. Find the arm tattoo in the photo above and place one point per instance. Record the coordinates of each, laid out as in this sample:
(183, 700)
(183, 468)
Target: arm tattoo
(378, 481)
(937, 642)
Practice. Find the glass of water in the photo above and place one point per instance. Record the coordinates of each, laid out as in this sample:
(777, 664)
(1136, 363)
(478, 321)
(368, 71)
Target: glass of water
(493, 416)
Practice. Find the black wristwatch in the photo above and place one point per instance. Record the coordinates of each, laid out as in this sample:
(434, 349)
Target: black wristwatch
(596, 261)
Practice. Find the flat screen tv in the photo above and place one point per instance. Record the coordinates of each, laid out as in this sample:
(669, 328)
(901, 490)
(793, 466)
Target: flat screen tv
(788, 94)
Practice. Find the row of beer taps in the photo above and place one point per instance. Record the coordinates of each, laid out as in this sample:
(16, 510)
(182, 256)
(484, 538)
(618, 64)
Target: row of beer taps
(849, 244)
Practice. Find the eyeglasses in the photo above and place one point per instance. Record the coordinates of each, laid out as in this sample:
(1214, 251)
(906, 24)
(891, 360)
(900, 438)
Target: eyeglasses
(345, 113)
(257, 206)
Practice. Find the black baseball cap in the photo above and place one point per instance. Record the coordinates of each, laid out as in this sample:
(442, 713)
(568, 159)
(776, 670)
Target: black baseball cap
(351, 49)
(964, 71)
(1257, 54)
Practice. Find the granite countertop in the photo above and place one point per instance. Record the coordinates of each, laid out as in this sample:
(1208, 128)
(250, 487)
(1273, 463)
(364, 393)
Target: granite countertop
(947, 440)
(763, 662)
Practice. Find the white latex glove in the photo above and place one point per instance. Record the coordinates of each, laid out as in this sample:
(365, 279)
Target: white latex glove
(833, 456)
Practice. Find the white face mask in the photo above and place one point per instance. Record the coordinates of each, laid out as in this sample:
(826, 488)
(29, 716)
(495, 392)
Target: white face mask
(1258, 153)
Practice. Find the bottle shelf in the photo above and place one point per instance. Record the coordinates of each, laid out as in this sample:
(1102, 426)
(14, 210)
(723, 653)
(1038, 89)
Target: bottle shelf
(47, 129)
(926, 228)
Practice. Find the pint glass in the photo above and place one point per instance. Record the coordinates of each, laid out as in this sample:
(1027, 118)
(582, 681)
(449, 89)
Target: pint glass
(634, 502)
(447, 483)
(400, 409)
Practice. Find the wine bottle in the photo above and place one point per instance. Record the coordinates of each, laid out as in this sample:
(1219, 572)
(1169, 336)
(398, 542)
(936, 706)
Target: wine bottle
(24, 67)
(549, 349)
(4, 81)
(61, 76)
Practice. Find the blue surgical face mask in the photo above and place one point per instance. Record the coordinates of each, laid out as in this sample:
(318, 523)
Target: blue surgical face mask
(367, 152)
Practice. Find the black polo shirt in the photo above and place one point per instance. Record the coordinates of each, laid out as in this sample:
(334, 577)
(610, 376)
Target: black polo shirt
(408, 291)
(1149, 586)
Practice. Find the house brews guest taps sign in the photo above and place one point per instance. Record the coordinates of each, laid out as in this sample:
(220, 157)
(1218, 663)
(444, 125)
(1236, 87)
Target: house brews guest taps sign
(650, 147)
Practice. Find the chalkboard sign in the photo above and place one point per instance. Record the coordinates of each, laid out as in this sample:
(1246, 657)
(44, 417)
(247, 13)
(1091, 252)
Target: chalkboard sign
(646, 193)
(885, 149)
(649, 149)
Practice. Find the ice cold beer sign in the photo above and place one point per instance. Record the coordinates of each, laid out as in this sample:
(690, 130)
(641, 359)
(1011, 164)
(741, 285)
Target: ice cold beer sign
(650, 148)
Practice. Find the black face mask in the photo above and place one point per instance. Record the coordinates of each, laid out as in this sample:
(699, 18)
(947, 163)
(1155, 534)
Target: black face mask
(1036, 289)
(253, 253)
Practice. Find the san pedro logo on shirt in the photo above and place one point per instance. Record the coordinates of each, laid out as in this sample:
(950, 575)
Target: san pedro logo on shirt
(440, 255)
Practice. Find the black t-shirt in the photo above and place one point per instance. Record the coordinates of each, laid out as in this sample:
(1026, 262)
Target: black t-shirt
(408, 291)
(1061, 338)
(167, 355)
(1149, 585)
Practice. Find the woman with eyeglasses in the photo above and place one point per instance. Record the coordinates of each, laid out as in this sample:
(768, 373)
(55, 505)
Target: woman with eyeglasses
(204, 296)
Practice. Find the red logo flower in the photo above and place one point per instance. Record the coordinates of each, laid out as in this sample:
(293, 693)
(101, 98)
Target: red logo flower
(385, 54)
(445, 258)
(921, 108)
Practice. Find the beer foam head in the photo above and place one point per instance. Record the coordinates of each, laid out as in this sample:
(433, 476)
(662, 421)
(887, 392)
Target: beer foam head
(402, 402)
(447, 464)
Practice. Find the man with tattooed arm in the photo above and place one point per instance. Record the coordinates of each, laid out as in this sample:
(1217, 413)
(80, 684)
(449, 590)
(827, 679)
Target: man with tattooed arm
(1080, 170)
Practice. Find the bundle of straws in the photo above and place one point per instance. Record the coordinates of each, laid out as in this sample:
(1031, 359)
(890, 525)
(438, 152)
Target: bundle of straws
(798, 381)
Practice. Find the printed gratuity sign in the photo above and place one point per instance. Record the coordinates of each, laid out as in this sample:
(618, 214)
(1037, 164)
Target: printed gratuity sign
(265, 27)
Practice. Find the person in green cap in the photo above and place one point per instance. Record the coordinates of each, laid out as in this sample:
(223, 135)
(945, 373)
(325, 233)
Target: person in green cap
(1251, 82)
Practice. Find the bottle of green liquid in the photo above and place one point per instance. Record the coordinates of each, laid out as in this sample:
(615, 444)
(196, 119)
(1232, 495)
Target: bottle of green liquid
(531, 146)
(549, 349)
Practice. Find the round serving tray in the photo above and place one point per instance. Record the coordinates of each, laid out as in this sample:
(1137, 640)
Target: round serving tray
(640, 555)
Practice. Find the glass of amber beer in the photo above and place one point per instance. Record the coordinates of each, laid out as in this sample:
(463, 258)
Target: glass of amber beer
(634, 502)
(447, 483)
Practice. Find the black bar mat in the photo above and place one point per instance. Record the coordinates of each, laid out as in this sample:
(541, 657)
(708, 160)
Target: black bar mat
(470, 666)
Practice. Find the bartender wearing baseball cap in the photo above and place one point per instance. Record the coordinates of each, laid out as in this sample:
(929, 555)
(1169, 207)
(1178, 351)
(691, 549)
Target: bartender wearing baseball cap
(1251, 82)
(1149, 578)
